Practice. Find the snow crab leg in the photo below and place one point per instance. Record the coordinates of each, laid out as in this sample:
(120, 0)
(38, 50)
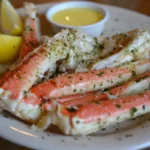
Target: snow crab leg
(95, 116)
(114, 44)
(29, 71)
(40, 95)
(129, 52)
(137, 85)
(76, 83)
(31, 35)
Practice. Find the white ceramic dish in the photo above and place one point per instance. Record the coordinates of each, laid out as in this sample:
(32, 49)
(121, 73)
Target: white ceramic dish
(92, 30)
(131, 134)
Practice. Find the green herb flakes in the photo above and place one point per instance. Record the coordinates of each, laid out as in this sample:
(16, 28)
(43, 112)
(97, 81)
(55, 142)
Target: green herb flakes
(133, 111)
(118, 105)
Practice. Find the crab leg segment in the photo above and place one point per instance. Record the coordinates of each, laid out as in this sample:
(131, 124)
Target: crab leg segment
(74, 100)
(28, 73)
(114, 44)
(138, 48)
(95, 116)
(31, 35)
(137, 85)
(22, 78)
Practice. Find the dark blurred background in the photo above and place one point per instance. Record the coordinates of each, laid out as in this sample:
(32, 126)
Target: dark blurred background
(142, 6)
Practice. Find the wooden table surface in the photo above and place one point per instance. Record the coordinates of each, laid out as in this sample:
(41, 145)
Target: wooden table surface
(142, 6)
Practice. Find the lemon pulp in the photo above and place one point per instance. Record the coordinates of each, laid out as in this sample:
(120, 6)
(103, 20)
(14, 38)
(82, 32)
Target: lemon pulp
(77, 16)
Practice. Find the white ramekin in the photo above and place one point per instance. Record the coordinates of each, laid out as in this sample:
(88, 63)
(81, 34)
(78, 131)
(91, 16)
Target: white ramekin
(92, 30)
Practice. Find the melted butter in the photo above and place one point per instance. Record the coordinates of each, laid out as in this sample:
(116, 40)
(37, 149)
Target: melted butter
(77, 16)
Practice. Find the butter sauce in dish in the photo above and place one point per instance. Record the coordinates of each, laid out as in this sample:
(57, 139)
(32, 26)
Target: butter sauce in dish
(77, 16)
(86, 16)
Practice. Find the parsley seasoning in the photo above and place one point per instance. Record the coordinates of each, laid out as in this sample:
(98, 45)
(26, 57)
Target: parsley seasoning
(25, 93)
(5, 115)
(48, 134)
(111, 81)
(28, 28)
(117, 129)
(100, 74)
(118, 105)
(70, 77)
(77, 122)
(128, 135)
(72, 109)
(133, 73)
(139, 80)
(97, 102)
(84, 36)
(65, 44)
(101, 46)
(104, 90)
(119, 138)
(103, 129)
(75, 137)
(133, 111)
(19, 77)
(116, 19)
(89, 138)
(31, 44)
(81, 78)
(101, 84)
(118, 118)
(45, 101)
(120, 76)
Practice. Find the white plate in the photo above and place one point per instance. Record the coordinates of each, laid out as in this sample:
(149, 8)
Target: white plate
(131, 134)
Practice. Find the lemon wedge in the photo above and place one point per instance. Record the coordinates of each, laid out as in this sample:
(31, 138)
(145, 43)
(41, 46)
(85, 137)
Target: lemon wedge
(10, 21)
(9, 48)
